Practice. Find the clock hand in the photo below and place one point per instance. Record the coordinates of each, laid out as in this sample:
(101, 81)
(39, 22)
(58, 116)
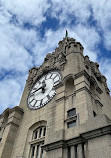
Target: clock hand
(42, 87)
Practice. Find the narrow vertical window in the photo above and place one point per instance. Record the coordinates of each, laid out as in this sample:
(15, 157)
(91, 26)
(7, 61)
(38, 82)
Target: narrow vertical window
(33, 151)
(44, 131)
(94, 114)
(40, 132)
(69, 152)
(75, 151)
(41, 156)
(83, 151)
(37, 153)
(36, 132)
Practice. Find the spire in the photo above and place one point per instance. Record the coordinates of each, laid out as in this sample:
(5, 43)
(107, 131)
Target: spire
(66, 34)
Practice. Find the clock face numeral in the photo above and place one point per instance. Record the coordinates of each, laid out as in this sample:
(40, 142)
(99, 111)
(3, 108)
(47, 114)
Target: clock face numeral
(48, 76)
(56, 80)
(48, 97)
(37, 103)
(41, 102)
(43, 91)
(53, 76)
(32, 102)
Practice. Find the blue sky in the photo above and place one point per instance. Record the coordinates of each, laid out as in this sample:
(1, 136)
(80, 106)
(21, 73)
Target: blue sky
(29, 29)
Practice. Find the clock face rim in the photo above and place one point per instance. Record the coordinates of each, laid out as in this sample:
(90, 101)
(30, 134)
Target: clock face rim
(45, 74)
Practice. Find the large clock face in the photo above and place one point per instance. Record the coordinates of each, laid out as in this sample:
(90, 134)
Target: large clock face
(43, 91)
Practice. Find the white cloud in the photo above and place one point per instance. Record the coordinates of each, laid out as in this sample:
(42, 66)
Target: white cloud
(77, 9)
(27, 11)
(10, 93)
(13, 56)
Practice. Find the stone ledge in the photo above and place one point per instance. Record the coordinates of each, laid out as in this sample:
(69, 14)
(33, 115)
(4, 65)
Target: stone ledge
(83, 137)
(102, 127)
(18, 109)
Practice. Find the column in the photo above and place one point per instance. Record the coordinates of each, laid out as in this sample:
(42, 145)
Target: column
(73, 150)
(79, 151)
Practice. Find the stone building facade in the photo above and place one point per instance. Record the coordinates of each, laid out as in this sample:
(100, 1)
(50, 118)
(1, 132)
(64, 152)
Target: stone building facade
(64, 112)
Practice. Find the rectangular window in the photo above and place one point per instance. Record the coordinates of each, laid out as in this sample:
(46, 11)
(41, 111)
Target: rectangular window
(71, 124)
(33, 151)
(37, 153)
(40, 132)
(71, 112)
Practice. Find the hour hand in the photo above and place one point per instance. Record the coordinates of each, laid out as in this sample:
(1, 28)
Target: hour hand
(42, 87)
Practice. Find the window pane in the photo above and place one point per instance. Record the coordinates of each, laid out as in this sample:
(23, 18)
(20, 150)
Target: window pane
(33, 151)
(41, 156)
(40, 132)
(44, 131)
(71, 112)
(36, 132)
(37, 154)
(71, 124)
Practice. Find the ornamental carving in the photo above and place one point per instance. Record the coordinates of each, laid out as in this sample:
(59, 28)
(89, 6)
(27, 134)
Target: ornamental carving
(94, 66)
(55, 60)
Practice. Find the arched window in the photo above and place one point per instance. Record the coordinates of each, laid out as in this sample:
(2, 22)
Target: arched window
(38, 139)
(69, 86)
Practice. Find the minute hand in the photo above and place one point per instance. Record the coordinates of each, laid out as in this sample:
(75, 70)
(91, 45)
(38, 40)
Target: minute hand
(42, 87)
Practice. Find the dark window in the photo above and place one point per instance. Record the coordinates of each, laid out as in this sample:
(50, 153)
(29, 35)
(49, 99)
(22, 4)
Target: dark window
(44, 131)
(0, 139)
(40, 132)
(37, 154)
(69, 152)
(41, 156)
(33, 151)
(75, 151)
(36, 132)
(94, 114)
(71, 124)
(71, 112)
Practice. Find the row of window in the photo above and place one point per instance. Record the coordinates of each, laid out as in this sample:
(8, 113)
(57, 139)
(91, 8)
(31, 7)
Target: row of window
(37, 151)
(39, 133)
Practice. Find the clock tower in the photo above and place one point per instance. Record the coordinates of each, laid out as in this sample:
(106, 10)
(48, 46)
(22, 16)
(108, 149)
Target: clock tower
(64, 112)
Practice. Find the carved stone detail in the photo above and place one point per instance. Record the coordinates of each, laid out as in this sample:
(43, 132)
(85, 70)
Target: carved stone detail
(94, 66)
(55, 60)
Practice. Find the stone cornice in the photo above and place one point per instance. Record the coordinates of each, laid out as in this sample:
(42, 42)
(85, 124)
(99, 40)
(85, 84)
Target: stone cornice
(82, 73)
(6, 111)
(17, 109)
(90, 79)
(12, 123)
(83, 137)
